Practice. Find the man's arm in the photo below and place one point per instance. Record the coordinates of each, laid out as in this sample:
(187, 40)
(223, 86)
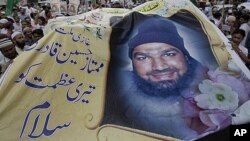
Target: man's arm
(3, 36)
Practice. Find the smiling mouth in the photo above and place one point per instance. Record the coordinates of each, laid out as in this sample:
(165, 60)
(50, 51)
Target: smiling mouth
(164, 76)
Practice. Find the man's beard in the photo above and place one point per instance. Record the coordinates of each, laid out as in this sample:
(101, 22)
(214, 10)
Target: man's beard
(163, 88)
(20, 44)
(12, 56)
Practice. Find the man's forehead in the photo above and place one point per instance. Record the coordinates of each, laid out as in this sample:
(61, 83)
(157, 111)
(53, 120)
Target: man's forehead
(237, 35)
(37, 35)
(7, 47)
(155, 47)
(19, 36)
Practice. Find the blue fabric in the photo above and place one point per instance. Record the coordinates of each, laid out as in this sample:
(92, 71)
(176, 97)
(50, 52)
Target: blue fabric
(157, 30)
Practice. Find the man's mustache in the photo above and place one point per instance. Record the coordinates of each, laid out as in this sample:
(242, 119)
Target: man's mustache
(166, 70)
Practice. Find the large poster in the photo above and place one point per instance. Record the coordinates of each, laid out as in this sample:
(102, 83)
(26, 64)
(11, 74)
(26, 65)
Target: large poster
(55, 7)
(164, 79)
(59, 7)
(73, 7)
(160, 71)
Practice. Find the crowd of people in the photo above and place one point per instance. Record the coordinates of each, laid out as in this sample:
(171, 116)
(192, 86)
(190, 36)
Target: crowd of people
(19, 31)
(113, 4)
(235, 24)
(25, 26)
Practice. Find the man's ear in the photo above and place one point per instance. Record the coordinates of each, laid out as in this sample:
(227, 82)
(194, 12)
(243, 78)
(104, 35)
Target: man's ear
(14, 42)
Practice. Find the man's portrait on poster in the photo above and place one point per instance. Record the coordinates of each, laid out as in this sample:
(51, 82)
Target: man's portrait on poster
(72, 9)
(148, 86)
(63, 9)
(55, 8)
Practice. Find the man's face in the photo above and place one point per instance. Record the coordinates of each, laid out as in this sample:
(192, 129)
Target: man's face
(25, 24)
(214, 10)
(19, 40)
(23, 11)
(37, 36)
(40, 22)
(230, 22)
(28, 33)
(9, 51)
(237, 38)
(17, 19)
(244, 11)
(242, 21)
(159, 62)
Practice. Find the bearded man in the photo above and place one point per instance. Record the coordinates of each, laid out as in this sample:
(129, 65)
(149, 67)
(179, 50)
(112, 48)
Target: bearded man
(150, 97)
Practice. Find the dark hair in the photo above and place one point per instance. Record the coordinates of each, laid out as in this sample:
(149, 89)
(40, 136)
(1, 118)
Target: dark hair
(47, 12)
(32, 15)
(217, 15)
(28, 22)
(42, 19)
(9, 25)
(245, 17)
(212, 21)
(44, 7)
(38, 31)
(234, 9)
(240, 31)
(27, 19)
(10, 20)
(242, 7)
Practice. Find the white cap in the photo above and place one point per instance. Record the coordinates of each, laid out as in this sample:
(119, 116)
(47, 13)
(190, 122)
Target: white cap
(231, 18)
(11, 18)
(5, 42)
(26, 29)
(13, 35)
(208, 4)
(3, 21)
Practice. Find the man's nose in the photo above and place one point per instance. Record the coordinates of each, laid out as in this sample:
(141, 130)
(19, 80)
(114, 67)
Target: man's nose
(9, 51)
(159, 64)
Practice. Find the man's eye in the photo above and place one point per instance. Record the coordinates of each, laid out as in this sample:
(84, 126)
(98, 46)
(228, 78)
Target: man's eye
(141, 58)
(170, 54)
